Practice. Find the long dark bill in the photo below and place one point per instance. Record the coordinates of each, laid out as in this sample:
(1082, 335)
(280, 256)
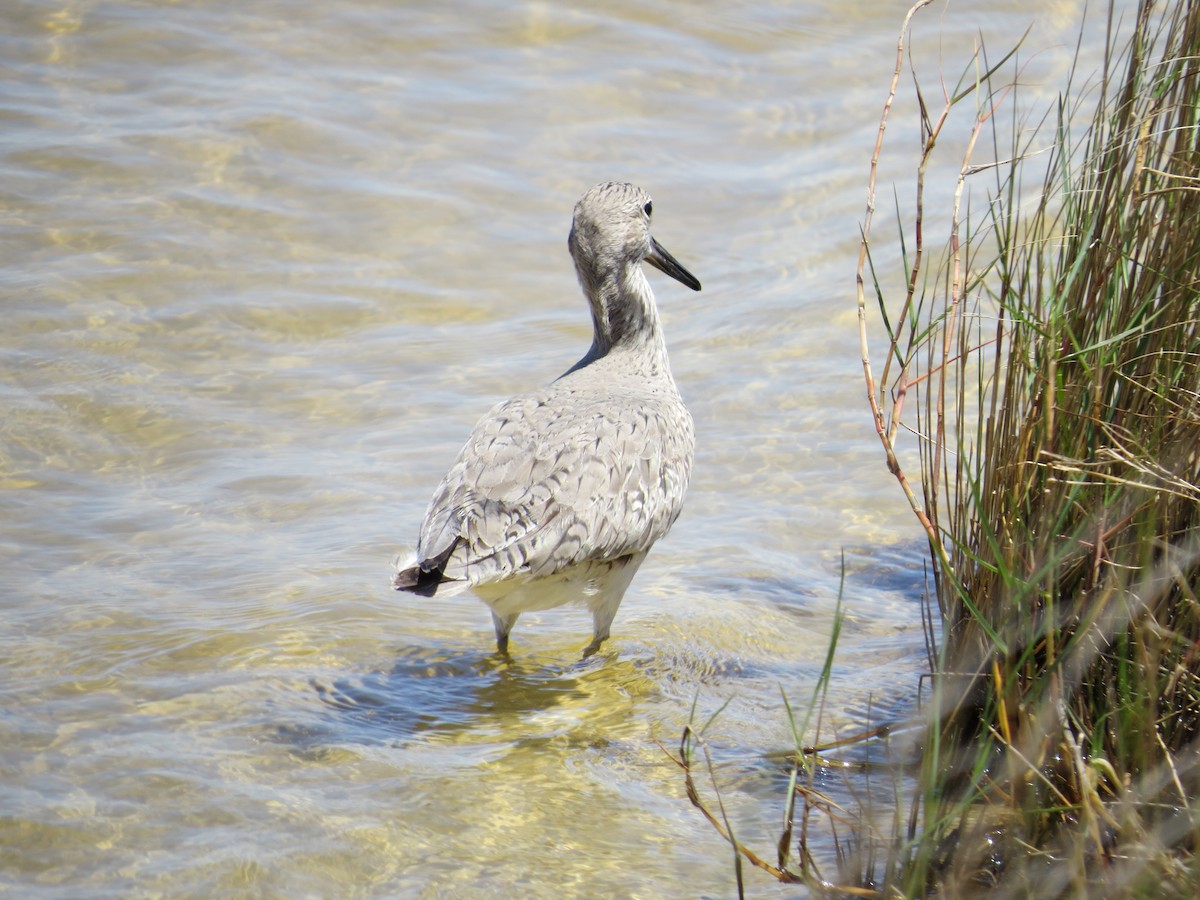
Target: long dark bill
(665, 262)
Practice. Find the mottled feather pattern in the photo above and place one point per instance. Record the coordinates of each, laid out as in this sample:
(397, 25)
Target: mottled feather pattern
(559, 494)
(543, 485)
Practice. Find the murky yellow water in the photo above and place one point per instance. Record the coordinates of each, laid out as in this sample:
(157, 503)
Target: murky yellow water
(263, 267)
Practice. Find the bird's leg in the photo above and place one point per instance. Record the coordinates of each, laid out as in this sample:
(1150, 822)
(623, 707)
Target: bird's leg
(602, 619)
(503, 625)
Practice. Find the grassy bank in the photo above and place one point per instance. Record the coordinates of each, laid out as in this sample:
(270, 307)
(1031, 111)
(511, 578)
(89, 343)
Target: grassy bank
(1037, 396)
(1060, 480)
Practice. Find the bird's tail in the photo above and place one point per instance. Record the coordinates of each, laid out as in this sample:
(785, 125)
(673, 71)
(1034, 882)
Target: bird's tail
(424, 577)
(419, 581)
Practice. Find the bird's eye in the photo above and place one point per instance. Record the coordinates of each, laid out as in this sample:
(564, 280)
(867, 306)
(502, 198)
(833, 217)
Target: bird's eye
(648, 208)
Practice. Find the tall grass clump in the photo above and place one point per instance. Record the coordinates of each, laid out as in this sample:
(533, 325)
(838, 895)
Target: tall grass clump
(1039, 403)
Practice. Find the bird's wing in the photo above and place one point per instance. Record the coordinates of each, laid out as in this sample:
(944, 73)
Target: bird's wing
(541, 486)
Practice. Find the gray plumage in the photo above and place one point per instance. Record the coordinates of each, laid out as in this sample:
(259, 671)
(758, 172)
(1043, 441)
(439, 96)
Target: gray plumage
(559, 494)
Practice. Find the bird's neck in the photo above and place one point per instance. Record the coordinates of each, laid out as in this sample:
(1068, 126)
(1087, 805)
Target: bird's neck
(625, 321)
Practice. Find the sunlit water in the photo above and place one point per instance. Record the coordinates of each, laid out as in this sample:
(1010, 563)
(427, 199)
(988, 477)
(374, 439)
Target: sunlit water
(263, 267)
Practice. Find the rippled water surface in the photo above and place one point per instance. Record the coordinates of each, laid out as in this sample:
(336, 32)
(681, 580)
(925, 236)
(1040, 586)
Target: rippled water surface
(263, 267)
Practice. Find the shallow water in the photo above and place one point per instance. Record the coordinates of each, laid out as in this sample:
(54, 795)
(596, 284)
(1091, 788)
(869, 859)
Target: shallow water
(262, 272)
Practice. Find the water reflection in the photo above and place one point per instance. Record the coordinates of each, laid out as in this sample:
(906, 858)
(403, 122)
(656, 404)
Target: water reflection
(434, 690)
(435, 693)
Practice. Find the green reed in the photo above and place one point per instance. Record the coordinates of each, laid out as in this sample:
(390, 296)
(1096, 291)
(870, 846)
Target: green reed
(1039, 404)
(1048, 366)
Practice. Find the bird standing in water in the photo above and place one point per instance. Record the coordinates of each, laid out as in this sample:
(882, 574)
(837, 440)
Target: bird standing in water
(559, 494)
